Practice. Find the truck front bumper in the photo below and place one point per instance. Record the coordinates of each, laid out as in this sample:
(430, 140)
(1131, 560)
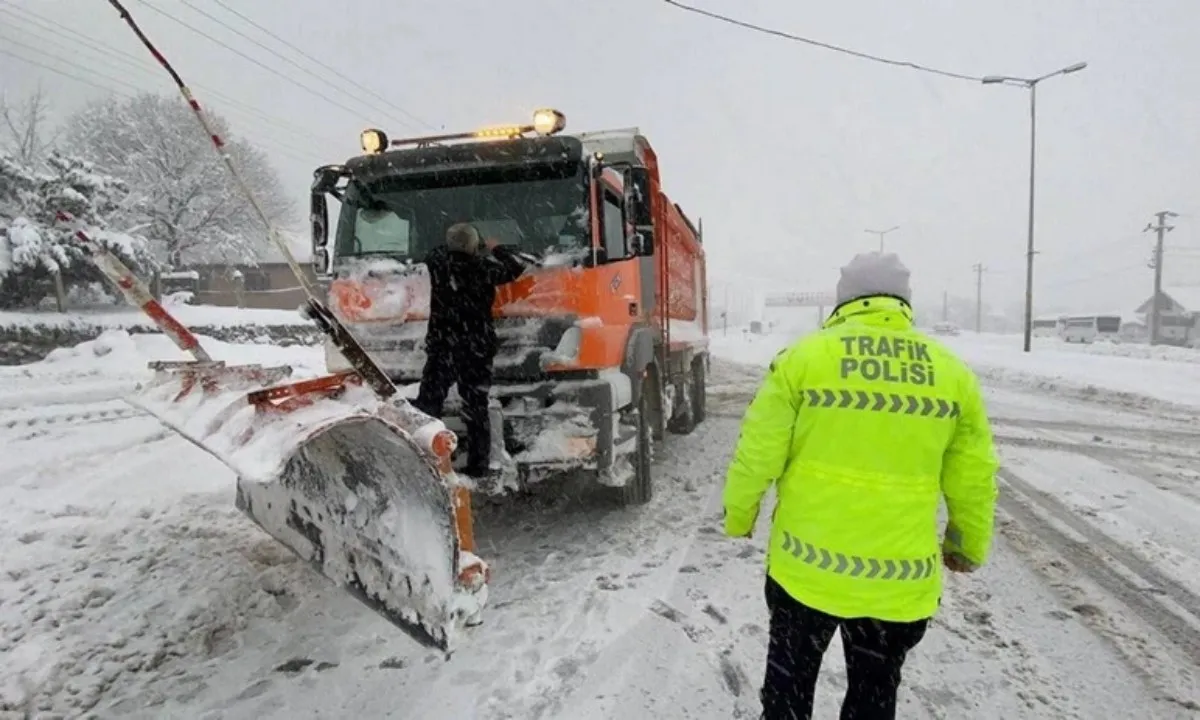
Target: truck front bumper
(552, 426)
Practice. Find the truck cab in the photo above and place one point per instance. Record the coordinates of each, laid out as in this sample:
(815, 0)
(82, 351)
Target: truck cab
(602, 341)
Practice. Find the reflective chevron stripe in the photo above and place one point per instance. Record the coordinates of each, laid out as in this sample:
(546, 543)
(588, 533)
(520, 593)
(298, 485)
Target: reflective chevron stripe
(855, 566)
(919, 405)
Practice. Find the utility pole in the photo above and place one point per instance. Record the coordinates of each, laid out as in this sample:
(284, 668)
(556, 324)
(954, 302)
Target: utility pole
(945, 305)
(1160, 230)
(881, 233)
(979, 270)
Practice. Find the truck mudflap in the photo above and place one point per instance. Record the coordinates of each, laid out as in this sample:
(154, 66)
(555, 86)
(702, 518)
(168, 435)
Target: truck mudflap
(358, 487)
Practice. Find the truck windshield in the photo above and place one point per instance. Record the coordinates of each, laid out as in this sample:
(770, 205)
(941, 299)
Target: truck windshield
(540, 209)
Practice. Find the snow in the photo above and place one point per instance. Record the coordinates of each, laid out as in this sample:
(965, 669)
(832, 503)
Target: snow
(394, 289)
(1121, 372)
(686, 331)
(1161, 374)
(1186, 297)
(124, 317)
(132, 587)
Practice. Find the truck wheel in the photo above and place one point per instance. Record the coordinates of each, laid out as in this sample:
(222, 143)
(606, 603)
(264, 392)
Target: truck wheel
(640, 488)
(699, 393)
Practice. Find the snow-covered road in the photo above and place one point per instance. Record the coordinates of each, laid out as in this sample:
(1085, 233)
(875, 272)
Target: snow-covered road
(132, 588)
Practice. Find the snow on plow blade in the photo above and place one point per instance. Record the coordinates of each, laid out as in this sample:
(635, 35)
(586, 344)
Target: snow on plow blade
(342, 479)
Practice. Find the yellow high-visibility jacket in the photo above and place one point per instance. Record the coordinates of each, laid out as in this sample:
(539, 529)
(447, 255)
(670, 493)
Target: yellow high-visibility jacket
(863, 427)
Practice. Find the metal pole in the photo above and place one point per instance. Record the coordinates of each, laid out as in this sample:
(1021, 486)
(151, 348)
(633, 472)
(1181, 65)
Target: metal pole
(1161, 229)
(978, 268)
(881, 233)
(1032, 84)
(1032, 195)
(1156, 308)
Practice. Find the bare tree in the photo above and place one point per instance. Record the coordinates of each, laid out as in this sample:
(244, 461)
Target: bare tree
(25, 131)
(184, 197)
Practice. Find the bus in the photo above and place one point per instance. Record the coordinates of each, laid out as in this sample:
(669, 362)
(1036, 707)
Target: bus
(1048, 326)
(1089, 328)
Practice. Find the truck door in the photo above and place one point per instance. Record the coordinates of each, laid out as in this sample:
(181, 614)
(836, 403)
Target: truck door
(624, 286)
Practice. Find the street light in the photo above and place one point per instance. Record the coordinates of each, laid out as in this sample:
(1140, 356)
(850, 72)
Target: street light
(1031, 84)
(881, 233)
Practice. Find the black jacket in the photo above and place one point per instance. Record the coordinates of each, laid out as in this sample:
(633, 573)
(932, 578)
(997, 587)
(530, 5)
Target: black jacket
(462, 292)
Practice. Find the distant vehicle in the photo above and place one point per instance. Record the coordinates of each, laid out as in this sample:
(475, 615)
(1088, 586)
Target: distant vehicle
(945, 328)
(1090, 328)
(1049, 326)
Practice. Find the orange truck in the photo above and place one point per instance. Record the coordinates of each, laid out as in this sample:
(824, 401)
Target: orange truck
(603, 341)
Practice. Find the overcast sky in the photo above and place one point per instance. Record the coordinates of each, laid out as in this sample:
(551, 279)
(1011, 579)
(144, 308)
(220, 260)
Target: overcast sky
(787, 152)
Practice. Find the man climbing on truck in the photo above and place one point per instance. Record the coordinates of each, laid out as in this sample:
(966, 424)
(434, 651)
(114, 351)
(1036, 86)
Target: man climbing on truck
(460, 343)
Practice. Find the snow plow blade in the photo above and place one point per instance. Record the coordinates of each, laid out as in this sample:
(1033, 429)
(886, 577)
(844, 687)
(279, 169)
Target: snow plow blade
(358, 487)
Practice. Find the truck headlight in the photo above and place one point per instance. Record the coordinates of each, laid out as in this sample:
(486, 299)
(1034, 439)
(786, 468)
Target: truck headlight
(373, 141)
(548, 121)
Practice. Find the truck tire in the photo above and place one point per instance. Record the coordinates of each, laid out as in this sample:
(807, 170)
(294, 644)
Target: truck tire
(699, 392)
(640, 487)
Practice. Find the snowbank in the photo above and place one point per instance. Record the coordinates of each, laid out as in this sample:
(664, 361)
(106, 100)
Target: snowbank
(28, 337)
(116, 352)
(1131, 375)
(124, 317)
(1126, 374)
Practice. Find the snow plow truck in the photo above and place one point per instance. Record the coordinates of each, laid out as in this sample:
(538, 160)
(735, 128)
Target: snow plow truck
(603, 340)
(603, 349)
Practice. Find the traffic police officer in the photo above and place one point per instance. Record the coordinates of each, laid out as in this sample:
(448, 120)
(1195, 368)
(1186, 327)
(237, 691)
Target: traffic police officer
(862, 427)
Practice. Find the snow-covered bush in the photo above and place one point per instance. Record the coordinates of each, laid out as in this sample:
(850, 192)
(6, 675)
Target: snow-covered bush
(34, 246)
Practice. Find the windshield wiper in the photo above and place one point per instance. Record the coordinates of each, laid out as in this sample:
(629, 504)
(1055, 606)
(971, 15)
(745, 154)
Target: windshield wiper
(357, 253)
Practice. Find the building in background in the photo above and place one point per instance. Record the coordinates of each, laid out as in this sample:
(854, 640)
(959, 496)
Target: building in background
(1178, 309)
(266, 285)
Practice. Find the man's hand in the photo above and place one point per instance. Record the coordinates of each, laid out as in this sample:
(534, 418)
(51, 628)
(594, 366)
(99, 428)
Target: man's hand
(957, 563)
(732, 531)
(490, 243)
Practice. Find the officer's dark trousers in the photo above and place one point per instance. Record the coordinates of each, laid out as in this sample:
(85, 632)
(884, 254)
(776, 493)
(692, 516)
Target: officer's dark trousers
(875, 653)
(471, 368)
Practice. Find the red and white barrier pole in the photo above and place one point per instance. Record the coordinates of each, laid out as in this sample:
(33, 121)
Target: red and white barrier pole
(135, 291)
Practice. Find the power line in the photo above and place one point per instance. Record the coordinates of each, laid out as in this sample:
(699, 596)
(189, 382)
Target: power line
(287, 151)
(277, 54)
(314, 60)
(137, 63)
(43, 66)
(357, 114)
(1092, 277)
(824, 45)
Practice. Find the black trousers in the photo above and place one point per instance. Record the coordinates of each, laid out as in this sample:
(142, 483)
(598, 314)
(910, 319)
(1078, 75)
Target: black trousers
(875, 653)
(470, 367)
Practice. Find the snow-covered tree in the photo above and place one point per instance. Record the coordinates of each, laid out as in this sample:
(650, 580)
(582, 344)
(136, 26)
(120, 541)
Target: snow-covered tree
(25, 131)
(34, 246)
(186, 198)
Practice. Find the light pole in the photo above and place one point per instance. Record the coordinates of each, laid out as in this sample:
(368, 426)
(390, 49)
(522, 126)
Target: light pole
(881, 233)
(1031, 84)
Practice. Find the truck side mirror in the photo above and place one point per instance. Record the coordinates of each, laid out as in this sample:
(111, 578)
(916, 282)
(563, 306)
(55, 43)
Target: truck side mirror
(319, 218)
(639, 201)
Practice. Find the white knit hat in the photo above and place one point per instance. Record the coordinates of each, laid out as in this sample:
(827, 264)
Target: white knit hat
(874, 273)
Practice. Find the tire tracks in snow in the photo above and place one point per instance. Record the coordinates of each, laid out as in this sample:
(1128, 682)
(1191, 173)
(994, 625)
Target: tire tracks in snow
(66, 463)
(1143, 432)
(1158, 601)
(28, 425)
